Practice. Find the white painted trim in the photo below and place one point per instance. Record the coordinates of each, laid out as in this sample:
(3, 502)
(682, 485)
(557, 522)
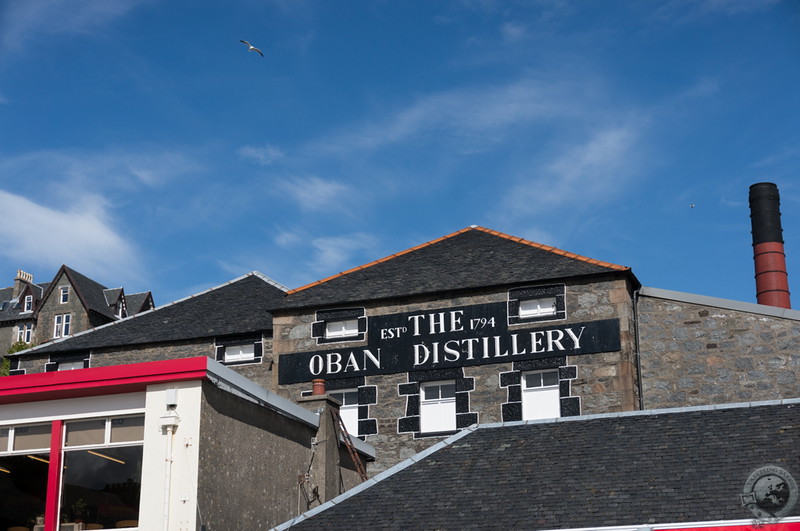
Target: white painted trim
(72, 408)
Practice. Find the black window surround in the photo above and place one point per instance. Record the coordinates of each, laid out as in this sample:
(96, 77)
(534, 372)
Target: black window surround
(557, 291)
(323, 317)
(57, 359)
(223, 343)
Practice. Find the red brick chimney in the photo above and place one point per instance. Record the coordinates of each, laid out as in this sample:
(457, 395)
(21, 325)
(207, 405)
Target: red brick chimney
(772, 280)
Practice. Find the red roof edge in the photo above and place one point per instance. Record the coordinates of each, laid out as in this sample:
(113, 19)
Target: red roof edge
(472, 227)
(98, 381)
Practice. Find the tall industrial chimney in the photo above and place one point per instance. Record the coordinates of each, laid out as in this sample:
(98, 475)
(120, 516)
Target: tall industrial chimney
(772, 282)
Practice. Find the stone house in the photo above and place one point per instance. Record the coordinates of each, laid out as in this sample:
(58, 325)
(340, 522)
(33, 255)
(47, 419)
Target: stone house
(70, 303)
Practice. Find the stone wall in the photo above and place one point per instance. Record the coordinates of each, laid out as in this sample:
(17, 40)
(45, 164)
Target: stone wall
(697, 351)
(594, 383)
(250, 461)
(52, 306)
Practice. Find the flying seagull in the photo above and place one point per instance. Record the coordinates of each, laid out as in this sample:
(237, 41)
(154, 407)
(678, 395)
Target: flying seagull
(251, 48)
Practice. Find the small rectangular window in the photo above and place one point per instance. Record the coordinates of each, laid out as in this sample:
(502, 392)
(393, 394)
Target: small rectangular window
(32, 437)
(536, 303)
(64, 294)
(28, 303)
(62, 325)
(239, 352)
(349, 408)
(537, 307)
(437, 409)
(540, 395)
(127, 429)
(24, 332)
(70, 365)
(346, 328)
(83, 432)
(347, 324)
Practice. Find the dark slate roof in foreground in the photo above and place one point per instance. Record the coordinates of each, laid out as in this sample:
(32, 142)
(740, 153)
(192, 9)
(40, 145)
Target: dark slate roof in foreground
(239, 306)
(471, 258)
(628, 469)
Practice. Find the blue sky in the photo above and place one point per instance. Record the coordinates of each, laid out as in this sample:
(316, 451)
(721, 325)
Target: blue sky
(143, 145)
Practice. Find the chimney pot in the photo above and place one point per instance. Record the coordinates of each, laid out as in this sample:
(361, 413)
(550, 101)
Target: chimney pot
(318, 387)
(772, 282)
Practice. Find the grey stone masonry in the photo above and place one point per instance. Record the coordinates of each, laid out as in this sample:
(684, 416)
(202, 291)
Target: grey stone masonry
(591, 383)
(698, 350)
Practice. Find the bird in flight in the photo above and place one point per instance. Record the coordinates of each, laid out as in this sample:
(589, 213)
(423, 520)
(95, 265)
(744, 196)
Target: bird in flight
(251, 48)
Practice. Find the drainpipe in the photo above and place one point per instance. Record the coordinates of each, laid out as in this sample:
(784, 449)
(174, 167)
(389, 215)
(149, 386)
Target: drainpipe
(636, 348)
(169, 423)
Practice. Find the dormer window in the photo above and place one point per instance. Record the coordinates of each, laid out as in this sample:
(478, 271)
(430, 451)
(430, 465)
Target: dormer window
(332, 326)
(538, 303)
(28, 305)
(64, 298)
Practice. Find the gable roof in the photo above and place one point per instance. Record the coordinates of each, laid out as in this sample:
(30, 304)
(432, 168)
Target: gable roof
(11, 308)
(139, 302)
(90, 293)
(623, 469)
(471, 258)
(239, 306)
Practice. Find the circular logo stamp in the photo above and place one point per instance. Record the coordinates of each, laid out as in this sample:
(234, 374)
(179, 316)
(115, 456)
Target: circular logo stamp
(770, 493)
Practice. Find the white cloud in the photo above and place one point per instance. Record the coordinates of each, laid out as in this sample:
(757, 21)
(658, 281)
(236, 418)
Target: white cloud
(313, 193)
(106, 170)
(263, 155)
(473, 118)
(81, 236)
(513, 31)
(23, 22)
(580, 175)
(332, 254)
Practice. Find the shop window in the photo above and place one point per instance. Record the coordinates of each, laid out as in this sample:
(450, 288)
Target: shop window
(539, 303)
(540, 395)
(437, 408)
(24, 465)
(239, 350)
(64, 294)
(62, 325)
(339, 325)
(349, 408)
(101, 480)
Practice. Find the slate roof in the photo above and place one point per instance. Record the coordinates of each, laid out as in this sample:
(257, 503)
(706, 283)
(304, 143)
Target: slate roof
(239, 306)
(10, 311)
(471, 258)
(139, 302)
(628, 469)
(91, 293)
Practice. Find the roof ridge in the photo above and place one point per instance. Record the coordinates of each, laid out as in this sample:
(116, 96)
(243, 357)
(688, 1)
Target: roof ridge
(555, 250)
(516, 239)
(146, 312)
(379, 261)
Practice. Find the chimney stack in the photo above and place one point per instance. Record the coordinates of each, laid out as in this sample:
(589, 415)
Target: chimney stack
(772, 280)
(20, 280)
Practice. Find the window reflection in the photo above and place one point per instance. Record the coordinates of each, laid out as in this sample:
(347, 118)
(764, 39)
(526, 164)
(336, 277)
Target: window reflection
(23, 489)
(102, 484)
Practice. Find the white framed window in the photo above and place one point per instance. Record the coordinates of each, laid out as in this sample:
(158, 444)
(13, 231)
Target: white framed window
(343, 328)
(537, 303)
(347, 324)
(437, 407)
(64, 290)
(537, 307)
(243, 352)
(70, 365)
(540, 395)
(349, 408)
(28, 304)
(24, 332)
(62, 325)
